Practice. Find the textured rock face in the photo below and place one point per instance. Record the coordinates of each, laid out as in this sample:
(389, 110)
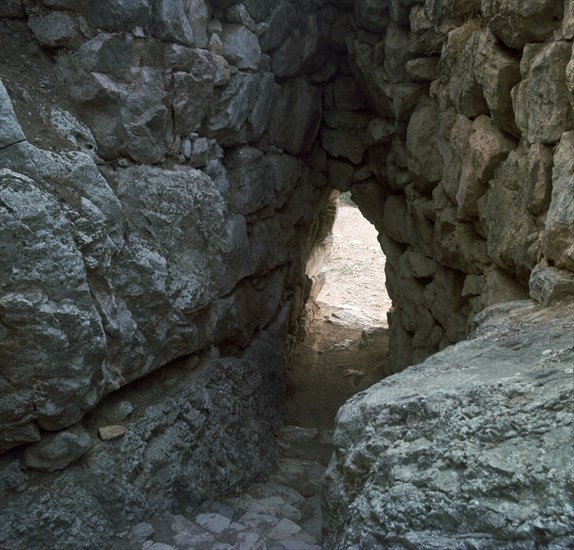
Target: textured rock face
(166, 175)
(470, 447)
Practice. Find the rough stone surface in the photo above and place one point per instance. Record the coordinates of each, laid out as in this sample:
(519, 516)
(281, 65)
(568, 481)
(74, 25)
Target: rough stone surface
(409, 470)
(168, 170)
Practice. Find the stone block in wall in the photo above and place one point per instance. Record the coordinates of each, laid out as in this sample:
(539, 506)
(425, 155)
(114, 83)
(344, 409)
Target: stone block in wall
(542, 102)
(559, 226)
(12, 9)
(369, 196)
(230, 108)
(348, 95)
(115, 15)
(396, 53)
(510, 227)
(296, 117)
(443, 297)
(340, 174)
(396, 174)
(341, 28)
(467, 47)
(191, 95)
(10, 129)
(568, 20)
(404, 97)
(454, 155)
(549, 285)
(240, 46)
(487, 147)
(344, 143)
(55, 29)
(171, 23)
(498, 74)
(398, 221)
(299, 51)
(425, 145)
(372, 15)
(539, 178)
(500, 286)
(57, 450)
(54, 345)
(400, 10)
(517, 22)
(457, 245)
(422, 68)
(425, 37)
(351, 120)
(371, 78)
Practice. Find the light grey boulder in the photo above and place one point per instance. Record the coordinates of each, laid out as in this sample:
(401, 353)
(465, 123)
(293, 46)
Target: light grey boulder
(171, 22)
(409, 467)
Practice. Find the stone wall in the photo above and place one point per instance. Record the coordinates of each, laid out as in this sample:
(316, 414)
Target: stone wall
(157, 205)
(167, 173)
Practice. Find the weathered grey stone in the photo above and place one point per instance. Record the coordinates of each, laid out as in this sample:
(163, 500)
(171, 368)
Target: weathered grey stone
(551, 286)
(298, 50)
(425, 145)
(141, 532)
(509, 225)
(191, 97)
(396, 53)
(487, 147)
(517, 22)
(56, 451)
(461, 420)
(340, 175)
(499, 73)
(12, 8)
(238, 13)
(215, 523)
(539, 179)
(559, 227)
(171, 22)
(347, 95)
(240, 46)
(53, 30)
(231, 107)
(372, 15)
(10, 129)
(542, 102)
(35, 230)
(422, 68)
(297, 117)
(465, 83)
(348, 144)
(111, 15)
(347, 119)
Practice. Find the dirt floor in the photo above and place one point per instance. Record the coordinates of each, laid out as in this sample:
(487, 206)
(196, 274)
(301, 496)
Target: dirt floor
(346, 348)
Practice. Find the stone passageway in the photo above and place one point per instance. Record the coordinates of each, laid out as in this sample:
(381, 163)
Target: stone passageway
(345, 351)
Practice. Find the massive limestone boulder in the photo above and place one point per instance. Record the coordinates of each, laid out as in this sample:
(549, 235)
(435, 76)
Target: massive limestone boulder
(471, 447)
